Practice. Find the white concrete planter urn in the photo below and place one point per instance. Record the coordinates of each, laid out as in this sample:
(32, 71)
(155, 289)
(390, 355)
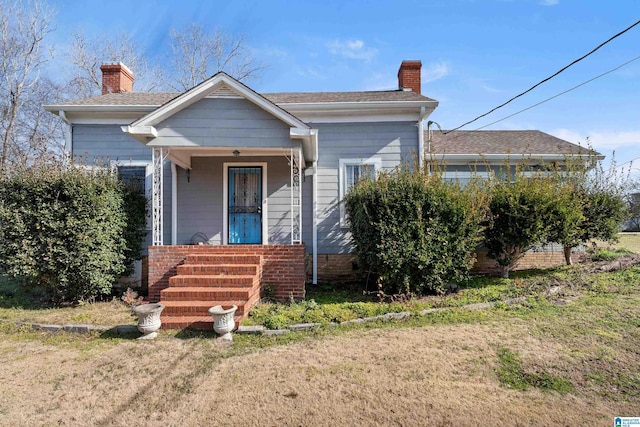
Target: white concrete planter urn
(148, 319)
(223, 322)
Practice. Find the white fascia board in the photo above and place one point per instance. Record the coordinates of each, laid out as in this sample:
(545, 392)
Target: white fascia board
(495, 158)
(99, 114)
(341, 112)
(54, 108)
(345, 106)
(210, 85)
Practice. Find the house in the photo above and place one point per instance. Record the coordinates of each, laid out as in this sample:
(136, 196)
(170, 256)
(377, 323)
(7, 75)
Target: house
(245, 187)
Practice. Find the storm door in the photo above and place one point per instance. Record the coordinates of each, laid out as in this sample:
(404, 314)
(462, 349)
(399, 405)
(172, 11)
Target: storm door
(245, 205)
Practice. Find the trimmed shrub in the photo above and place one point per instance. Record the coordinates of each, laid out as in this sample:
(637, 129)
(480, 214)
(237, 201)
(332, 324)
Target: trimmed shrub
(414, 230)
(63, 230)
(520, 216)
(136, 208)
(591, 206)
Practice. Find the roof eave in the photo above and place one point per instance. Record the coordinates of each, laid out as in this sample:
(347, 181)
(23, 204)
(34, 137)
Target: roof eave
(54, 108)
(515, 157)
(333, 106)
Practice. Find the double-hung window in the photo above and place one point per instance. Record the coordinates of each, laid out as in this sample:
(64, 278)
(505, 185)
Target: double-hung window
(352, 171)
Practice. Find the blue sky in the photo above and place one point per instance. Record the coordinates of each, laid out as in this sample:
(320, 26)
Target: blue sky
(475, 54)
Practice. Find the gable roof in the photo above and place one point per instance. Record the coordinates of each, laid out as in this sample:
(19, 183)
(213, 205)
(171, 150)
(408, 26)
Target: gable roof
(220, 80)
(530, 142)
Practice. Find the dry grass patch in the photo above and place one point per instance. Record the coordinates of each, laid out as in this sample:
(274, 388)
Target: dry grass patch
(18, 304)
(434, 375)
(108, 313)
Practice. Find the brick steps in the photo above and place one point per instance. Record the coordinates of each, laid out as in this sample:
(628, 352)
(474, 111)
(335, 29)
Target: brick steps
(204, 281)
(223, 259)
(218, 269)
(193, 293)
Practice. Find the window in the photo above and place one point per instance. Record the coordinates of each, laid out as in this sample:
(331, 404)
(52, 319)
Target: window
(134, 176)
(463, 177)
(352, 171)
(139, 174)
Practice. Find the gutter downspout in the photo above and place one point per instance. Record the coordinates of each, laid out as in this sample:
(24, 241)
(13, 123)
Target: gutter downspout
(421, 138)
(174, 204)
(314, 191)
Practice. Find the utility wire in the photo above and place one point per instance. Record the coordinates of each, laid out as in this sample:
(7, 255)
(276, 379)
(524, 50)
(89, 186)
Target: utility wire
(548, 78)
(560, 94)
(462, 133)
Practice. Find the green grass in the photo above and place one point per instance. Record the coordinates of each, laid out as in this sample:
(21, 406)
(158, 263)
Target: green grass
(512, 373)
(628, 241)
(327, 304)
(608, 253)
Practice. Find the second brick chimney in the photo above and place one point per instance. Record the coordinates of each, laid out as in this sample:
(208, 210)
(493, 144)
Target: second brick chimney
(116, 78)
(409, 76)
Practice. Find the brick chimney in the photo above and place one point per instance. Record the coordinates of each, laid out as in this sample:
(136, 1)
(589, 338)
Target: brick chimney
(116, 78)
(409, 76)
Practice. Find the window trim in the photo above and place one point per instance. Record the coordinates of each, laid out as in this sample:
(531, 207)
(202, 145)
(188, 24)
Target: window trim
(376, 162)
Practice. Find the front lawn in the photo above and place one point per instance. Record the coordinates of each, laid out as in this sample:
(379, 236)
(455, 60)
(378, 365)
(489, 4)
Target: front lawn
(565, 356)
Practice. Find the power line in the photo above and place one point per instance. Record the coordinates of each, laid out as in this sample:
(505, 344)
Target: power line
(559, 94)
(548, 78)
(461, 133)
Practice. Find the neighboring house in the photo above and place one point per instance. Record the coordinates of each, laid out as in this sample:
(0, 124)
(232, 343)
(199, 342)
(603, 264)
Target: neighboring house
(261, 175)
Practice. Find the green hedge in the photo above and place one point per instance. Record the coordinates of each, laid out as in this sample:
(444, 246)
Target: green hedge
(414, 230)
(65, 231)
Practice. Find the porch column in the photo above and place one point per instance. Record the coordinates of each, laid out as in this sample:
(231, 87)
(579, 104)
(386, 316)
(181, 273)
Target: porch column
(158, 157)
(296, 196)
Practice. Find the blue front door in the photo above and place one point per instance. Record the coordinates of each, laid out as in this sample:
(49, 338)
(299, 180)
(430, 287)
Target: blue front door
(245, 205)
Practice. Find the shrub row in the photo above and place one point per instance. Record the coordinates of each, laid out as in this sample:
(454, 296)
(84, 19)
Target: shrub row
(417, 232)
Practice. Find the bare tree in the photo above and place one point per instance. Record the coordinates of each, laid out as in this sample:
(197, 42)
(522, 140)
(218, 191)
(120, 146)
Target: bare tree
(23, 27)
(39, 135)
(87, 55)
(197, 55)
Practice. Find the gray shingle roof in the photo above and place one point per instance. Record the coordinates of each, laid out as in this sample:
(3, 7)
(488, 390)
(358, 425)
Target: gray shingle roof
(126, 98)
(159, 98)
(370, 96)
(501, 142)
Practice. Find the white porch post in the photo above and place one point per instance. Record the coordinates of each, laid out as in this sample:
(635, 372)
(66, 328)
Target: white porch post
(158, 157)
(174, 203)
(296, 196)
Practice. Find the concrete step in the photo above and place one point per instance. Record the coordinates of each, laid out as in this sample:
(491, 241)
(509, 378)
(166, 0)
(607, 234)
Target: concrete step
(218, 269)
(223, 259)
(208, 294)
(202, 323)
(211, 280)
